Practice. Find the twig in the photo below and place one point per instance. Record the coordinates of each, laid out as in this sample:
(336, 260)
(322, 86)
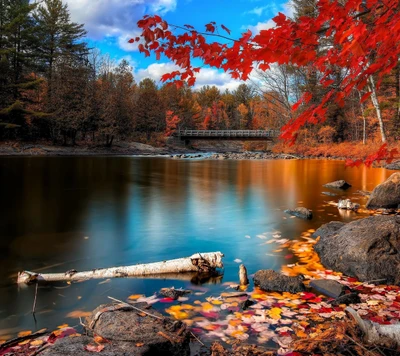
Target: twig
(358, 344)
(197, 338)
(164, 335)
(131, 306)
(34, 300)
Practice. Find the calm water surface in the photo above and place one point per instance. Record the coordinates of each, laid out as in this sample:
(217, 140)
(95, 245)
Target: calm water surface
(82, 213)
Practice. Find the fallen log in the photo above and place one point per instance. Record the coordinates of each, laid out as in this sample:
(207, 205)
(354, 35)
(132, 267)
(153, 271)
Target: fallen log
(199, 262)
(377, 334)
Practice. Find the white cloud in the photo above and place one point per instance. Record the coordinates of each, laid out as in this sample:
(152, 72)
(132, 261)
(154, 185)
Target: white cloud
(207, 76)
(286, 9)
(115, 18)
(259, 10)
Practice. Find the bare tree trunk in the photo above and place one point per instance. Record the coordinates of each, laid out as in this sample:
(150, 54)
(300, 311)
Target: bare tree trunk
(375, 102)
(364, 119)
(199, 262)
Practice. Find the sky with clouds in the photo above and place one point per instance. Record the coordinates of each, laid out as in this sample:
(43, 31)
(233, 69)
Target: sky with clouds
(111, 23)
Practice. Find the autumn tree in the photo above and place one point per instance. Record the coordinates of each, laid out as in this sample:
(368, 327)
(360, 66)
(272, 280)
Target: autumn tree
(358, 47)
(149, 109)
(58, 38)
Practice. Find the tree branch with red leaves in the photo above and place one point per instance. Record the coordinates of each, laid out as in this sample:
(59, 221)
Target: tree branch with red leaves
(361, 37)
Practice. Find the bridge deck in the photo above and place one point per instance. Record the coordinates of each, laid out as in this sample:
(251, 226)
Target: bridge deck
(227, 134)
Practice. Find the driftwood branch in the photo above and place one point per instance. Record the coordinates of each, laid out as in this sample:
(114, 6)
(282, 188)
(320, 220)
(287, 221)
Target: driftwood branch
(199, 262)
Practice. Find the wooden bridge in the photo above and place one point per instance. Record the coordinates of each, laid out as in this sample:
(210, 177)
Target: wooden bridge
(242, 135)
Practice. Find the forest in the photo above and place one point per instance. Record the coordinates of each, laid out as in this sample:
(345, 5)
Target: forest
(54, 87)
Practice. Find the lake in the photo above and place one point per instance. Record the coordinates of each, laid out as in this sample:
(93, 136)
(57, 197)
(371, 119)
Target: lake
(62, 213)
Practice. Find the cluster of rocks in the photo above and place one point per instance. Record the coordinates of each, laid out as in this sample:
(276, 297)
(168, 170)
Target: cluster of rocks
(250, 155)
(235, 156)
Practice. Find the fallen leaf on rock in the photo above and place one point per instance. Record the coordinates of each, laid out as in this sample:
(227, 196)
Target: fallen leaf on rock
(24, 333)
(78, 314)
(94, 348)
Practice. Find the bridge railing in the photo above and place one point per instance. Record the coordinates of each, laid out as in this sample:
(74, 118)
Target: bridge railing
(227, 133)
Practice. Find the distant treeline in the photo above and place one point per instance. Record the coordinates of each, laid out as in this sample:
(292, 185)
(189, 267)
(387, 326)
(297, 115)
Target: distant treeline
(54, 87)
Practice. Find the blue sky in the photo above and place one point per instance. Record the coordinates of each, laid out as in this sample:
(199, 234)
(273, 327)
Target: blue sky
(110, 23)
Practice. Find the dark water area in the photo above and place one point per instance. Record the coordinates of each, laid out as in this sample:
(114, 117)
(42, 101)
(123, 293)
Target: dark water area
(62, 213)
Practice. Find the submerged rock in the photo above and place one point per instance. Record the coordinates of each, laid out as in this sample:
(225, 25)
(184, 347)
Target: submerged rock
(271, 281)
(300, 212)
(338, 184)
(329, 194)
(387, 194)
(367, 249)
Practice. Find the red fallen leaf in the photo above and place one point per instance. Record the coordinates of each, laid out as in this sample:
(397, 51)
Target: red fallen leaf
(352, 279)
(315, 300)
(379, 320)
(166, 300)
(288, 257)
(197, 330)
(131, 40)
(59, 334)
(94, 348)
(307, 295)
(209, 315)
(294, 353)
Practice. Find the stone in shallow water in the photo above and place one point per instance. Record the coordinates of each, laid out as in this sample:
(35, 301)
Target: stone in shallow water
(328, 287)
(271, 281)
(300, 212)
(338, 184)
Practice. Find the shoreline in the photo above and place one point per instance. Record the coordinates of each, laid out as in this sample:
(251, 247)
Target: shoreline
(135, 149)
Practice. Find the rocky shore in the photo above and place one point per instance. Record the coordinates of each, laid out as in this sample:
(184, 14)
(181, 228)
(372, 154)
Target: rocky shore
(235, 156)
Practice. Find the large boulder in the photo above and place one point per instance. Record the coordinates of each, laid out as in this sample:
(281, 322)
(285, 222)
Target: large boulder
(271, 281)
(300, 212)
(368, 249)
(387, 194)
(338, 184)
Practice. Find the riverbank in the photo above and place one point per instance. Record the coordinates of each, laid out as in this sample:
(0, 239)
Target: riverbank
(341, 152)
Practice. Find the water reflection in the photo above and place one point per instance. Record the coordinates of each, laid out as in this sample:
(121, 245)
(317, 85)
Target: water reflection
(83, 213)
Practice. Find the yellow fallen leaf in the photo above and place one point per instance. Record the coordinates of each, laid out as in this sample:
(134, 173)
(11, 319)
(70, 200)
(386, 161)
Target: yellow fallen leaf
(275, 313)
(37, 342)
(206, 306)
(24, 333)
(135, 296)
(62, 326)
(78, 313)
(24, 342)
(216, 302)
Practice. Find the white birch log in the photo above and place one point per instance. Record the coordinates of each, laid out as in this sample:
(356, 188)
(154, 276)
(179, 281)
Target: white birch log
(199, 262)
(375, 333)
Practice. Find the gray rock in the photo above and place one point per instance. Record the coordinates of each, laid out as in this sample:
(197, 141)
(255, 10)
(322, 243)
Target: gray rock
(347, 204)
(300, 212)
(387, 194)
(338, 184)
(350, 298)
(271, 281)
(328, 229)
(328, 287)
(393, 165)
(367, 249)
